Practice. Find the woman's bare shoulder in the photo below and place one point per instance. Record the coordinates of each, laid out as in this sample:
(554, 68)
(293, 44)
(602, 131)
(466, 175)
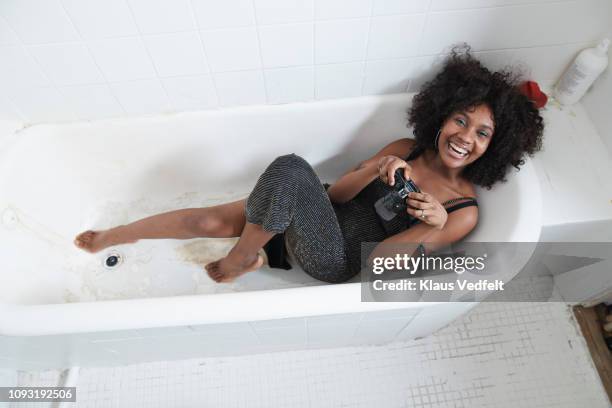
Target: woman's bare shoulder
(400, 147)
(468, 190)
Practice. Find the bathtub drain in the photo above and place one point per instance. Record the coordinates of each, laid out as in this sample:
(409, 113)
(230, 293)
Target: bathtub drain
(113, 260)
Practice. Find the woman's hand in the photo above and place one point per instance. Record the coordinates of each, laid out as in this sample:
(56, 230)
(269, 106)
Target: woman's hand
(427, 209)
(387, 166)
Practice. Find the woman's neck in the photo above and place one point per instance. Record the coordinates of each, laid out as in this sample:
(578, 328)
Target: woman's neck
(433, 161)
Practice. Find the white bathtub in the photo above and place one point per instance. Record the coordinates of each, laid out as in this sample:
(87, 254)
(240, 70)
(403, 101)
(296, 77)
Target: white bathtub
(60, 306)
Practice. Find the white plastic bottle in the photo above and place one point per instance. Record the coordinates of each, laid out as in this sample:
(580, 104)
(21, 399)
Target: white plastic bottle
(581, 74)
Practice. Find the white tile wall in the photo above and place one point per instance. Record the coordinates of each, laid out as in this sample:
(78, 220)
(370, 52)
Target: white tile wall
(19, 70)
(286, 45)
(8, 111)
(284, 85)
(191, 92)
(338, 80)
(222, 14)
(91, 18)
(383, 77)
(341, 41)
(123, 59)
(38, 22)
(67, 64)
(395, 36)
(351, 48)
(283, 11)
(232, 50)
(177, 54)
(7, 35)
(141, 97)
(92, 101)
(388, 7)
(46, 104)
(336, 9)
(240, 88)
(162, 16)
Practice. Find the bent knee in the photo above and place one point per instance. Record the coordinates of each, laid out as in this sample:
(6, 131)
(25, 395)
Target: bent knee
(292, 168)
(291, 160)
(203, 226)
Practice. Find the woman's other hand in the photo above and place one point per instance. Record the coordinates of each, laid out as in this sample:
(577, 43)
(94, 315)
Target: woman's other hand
(427, 209)
(387, 166)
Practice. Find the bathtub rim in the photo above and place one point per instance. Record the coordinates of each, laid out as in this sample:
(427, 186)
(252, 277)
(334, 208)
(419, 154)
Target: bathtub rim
(190, 310)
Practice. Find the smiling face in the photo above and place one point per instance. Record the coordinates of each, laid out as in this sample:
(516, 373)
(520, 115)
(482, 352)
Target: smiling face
(465, 136)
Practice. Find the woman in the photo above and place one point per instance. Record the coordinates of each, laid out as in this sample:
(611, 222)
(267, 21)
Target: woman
(470, 125)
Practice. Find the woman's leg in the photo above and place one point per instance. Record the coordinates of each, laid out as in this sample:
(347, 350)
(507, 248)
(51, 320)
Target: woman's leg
(220, 221)
(243, 257)
(289, 198)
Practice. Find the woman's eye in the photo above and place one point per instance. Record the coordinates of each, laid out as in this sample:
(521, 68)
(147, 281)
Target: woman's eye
(460, 121)
(483, 134)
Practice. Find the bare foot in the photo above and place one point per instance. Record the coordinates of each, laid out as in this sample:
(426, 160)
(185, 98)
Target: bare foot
(226, 270)
(94, 241)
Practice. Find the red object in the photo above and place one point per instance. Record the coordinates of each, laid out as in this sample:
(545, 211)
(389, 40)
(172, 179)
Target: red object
(532, 91)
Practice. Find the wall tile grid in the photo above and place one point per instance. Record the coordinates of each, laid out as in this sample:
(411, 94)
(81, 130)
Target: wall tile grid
(88, 59)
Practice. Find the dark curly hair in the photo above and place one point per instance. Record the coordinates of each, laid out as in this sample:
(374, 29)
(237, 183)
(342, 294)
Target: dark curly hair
(464, 83)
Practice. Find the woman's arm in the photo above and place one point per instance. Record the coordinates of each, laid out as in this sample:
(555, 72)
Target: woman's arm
(457, 226)
(352, 182)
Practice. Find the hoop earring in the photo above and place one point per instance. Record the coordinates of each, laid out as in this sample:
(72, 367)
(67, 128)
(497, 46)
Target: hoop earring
(437, 140)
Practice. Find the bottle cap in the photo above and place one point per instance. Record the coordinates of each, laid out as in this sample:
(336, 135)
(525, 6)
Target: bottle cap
(533, 92)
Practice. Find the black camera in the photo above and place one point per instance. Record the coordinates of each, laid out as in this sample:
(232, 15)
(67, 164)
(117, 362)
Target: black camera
(394, 202)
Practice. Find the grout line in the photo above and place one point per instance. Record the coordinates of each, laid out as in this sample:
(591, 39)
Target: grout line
(425, 22)
(210, 71)
(265, 83)
(22, 117)
(20, 112)
(421, 42)
(374, 59)
(367, 49)
(86, 44)
(170, 104)
(391, 59)
(53, 85)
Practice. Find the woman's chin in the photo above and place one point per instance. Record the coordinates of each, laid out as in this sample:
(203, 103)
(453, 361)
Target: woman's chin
(453, 162)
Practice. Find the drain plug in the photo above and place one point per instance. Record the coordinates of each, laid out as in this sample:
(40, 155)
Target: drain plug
(113, 260)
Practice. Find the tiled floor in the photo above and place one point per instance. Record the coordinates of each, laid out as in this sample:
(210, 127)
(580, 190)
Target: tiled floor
(499, 355)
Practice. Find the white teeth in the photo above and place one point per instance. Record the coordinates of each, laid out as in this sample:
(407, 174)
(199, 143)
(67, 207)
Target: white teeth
(458, 149)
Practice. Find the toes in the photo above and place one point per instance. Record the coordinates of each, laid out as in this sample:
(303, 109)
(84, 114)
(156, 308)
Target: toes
(84, 238)
(211, 267)
(213, 271)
